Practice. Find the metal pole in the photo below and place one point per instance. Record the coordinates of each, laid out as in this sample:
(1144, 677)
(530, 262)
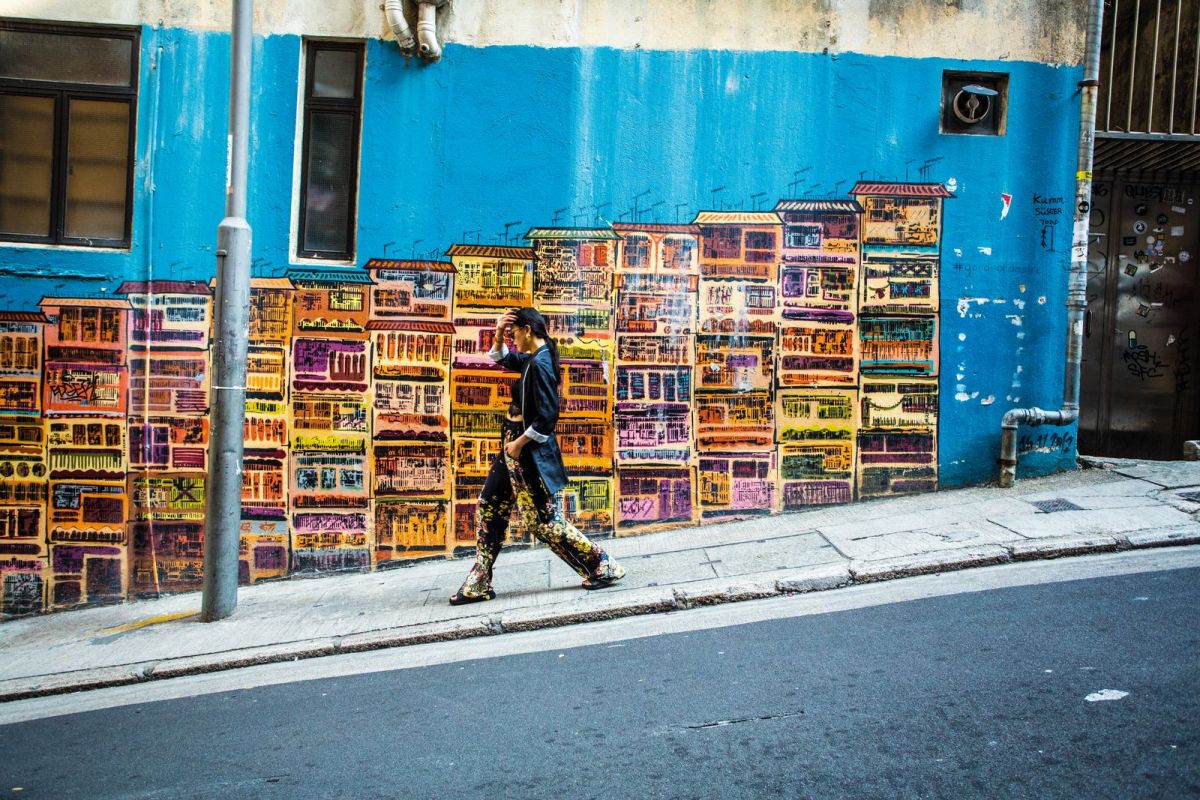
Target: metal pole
(1112, 60)
(1137, 31)
(228, 395)
(1077, 280)
(1175, 65)
(1154, 69)
(1196, 73)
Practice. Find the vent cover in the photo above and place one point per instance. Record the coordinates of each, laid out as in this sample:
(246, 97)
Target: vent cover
(1057, 504)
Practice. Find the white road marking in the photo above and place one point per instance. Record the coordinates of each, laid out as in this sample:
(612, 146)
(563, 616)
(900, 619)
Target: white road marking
(1025, 573)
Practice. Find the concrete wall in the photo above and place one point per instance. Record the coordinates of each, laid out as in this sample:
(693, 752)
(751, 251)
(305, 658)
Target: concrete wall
(1044, 31)
(588, 115)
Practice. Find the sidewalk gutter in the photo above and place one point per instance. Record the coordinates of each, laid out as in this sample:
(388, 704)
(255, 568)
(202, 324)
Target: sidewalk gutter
(650, 600)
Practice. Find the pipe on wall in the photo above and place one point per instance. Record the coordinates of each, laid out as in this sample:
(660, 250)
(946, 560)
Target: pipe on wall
(393, 12)
(428, 45)
(1077, 278)
(425, 41)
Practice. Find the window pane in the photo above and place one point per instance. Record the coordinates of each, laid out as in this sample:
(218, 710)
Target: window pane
(26, 164)
(330, 182)
(63, 57)
(335, 73)
(97, 169)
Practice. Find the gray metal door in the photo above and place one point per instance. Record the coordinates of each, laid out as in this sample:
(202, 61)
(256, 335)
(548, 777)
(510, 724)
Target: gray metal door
(1139, 393)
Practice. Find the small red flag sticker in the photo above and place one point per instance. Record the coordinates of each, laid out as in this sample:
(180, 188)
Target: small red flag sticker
(1006, 199)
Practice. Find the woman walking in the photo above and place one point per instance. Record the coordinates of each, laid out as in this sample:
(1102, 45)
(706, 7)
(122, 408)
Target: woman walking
(528, 472)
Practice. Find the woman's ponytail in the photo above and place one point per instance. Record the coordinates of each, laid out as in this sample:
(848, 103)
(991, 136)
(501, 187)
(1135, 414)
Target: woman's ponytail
(552, 346)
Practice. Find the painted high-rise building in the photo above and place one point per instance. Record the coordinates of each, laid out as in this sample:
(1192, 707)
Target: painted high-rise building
(657, 300)
(573, 288)
(899, 291)
(85, 394)
(735, 357)
(169, 329)
(329, 490)
(816, 375)
(490, 279)
(265, 543)
(23, 475)
(411, 340)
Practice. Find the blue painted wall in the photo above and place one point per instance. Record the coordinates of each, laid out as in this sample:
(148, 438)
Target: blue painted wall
(499, 134)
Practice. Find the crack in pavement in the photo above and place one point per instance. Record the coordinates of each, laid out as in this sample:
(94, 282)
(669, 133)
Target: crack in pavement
(723, 722)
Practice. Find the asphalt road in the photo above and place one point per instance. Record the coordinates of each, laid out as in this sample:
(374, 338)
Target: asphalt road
(979, 695)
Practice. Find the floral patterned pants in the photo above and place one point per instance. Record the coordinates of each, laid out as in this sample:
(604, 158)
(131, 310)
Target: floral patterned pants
(510, 485)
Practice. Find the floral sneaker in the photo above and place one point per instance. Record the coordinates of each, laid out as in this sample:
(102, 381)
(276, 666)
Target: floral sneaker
(608, 573)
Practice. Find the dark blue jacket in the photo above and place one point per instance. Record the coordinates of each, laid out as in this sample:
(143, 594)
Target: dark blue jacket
(537, 389)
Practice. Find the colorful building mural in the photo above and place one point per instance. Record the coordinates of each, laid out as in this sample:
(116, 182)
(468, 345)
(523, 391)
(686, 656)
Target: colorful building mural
(741, 364)
(490, 278)
(656, 296)
(265, 542)
(758, 309)
(169, 325)
(24, 548)
(85, 399)
(411, 340)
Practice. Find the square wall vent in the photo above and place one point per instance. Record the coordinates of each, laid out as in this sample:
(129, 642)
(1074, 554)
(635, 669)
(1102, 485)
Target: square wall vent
(974, 103)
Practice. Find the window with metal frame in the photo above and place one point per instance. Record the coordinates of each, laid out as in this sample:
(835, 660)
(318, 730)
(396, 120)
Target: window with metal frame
(329, 158)
(68, 117)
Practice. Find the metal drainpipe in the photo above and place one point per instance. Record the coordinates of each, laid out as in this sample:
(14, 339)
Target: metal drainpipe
(1077, 281)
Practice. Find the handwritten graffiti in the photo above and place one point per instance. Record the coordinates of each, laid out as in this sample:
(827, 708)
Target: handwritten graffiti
(1183, 363)
(1047, 442)
(1153, 192)
(1047, 213)
(1143, 363)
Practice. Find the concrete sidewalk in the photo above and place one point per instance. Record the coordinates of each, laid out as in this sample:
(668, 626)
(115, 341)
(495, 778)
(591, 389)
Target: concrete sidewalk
(1124, 505)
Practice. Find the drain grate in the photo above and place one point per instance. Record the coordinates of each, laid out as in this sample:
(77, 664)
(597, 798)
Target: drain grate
(1057, 504)
(1193, 497)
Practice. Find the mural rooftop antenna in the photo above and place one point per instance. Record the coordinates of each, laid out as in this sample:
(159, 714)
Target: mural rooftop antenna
(386, 245)
(414, 246)
(596, 209)
(793, 185)
(637, 197)
(838, 186)
(678, 206)
(558, 212)
(507, 227)
(714, 193)
(756, 198)
(465, 234)
(927, 165)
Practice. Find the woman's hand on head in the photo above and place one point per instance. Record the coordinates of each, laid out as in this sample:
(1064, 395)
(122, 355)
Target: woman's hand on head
(505, 320)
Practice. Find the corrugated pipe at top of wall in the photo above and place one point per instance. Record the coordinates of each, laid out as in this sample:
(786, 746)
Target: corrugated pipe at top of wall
(1077, 279)
(427, 31)
(425, 42)
(393, 11)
